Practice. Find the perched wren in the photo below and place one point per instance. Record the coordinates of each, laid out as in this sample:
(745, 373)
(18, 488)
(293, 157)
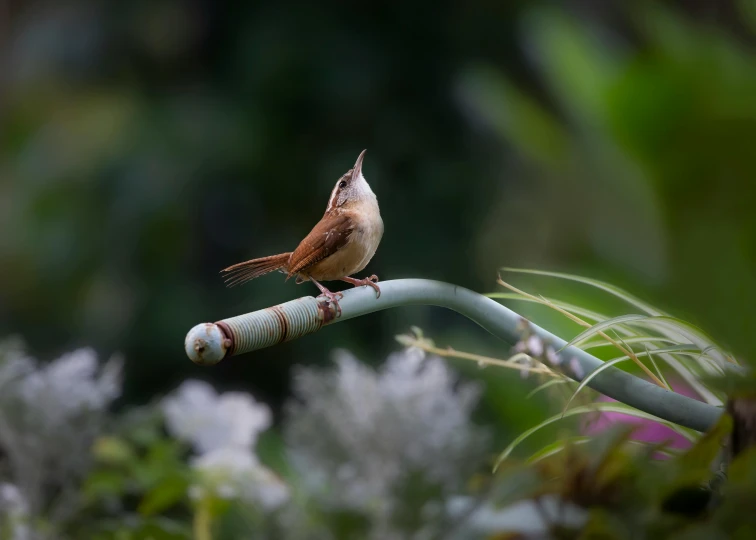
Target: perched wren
(341, 244)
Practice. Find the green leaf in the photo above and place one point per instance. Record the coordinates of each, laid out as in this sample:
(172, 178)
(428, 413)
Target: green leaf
(405, 340)
(271, 451)
(662, 328)
(548, 384)
(113, 451)
(575, 310)
(656, 367)
(606, 287)
(518, 119)
(691, 374)
(685, 349)
(142, 426)
(747, 10)
(589, 377)
(134, 527)
(515, 484)
(578, 66)
(600, 327)
(604, 406)
(692, 471)
(160, 528)
(682, 330)
(102, 484)
(348, 522)
(708, 446)
(163, 459)
(742, 470)
(558, 446)
(165, 453)
(659, 374)
(168, 492)
(733, 385)
(601, 342)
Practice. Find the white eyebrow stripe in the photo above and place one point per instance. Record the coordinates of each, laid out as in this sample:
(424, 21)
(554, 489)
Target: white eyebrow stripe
(332, 200)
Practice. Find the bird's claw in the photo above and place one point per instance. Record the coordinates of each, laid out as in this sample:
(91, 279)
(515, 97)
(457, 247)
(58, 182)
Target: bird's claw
(333, 298)
(372, 281)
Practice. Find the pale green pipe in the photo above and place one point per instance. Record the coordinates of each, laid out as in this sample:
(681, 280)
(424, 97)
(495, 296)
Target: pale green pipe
(209, 343)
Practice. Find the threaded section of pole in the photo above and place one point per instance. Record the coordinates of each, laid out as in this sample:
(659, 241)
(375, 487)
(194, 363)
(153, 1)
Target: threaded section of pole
(274, 325)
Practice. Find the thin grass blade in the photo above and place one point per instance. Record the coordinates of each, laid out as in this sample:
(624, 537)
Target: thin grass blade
(559, 446)
(606, 287)
(548, 384)
(572, 308)
(682, 349)
(600, 327)
(656, 366)
(605, 406)
(589, 377)
(629, 340)
(671, 326)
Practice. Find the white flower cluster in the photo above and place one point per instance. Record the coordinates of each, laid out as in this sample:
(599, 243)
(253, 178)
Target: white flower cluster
(14, 513)
(360, 438)
(49, 416)
(223, 429)
(534, 348)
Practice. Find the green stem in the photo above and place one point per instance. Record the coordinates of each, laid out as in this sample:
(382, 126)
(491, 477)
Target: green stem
(202, 522)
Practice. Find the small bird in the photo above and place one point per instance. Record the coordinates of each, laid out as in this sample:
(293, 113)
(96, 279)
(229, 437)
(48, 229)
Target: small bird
(341, 244)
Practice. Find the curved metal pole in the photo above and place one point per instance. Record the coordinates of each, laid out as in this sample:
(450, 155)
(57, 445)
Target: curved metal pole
(209, 343)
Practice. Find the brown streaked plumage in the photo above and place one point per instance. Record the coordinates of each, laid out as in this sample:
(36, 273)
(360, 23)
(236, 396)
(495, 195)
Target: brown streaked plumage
(341, 244)
(330, 234)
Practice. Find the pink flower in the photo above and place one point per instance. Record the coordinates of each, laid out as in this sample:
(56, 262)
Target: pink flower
(646, 430)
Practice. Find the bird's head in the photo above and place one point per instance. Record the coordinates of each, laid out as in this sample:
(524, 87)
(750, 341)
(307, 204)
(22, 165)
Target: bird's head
(351, 188)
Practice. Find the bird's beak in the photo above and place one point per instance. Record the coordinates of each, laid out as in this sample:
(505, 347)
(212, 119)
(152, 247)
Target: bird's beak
(357, 170)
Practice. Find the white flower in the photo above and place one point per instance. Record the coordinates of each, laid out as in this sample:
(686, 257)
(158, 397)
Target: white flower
(577, 369)
(12, 500)
(552, 356)
(49, 417)
(360, 433)
(223, 428)
(209, 421)
(535, 345)
(15, 367)
(527, 363)
(416, 352)
(235, 473)
(70, 384)
(14, 512)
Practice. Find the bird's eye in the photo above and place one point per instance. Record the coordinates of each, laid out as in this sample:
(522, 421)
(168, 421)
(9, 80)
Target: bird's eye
(342, 184)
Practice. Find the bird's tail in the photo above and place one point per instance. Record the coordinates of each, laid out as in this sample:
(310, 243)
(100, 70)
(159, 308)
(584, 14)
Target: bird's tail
(249, 270)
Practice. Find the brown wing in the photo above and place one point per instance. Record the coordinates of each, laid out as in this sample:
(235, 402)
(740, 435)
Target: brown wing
(325, 239)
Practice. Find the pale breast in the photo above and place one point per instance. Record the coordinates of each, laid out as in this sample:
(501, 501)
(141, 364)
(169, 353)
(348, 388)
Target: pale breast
(356, 254)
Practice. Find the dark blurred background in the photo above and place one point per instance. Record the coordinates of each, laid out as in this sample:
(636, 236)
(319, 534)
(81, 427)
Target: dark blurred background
(145, 145)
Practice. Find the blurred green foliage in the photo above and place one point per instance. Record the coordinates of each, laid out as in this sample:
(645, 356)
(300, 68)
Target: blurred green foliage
(642, 157)
(146, 145)
(405, 473)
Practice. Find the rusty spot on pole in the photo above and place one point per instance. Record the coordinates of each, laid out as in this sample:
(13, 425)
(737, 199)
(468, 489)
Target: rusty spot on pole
(327, 311)
(283, 322)
(229, 337)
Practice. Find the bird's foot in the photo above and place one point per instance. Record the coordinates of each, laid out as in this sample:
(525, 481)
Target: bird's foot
(370, 281)
(332, 297)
